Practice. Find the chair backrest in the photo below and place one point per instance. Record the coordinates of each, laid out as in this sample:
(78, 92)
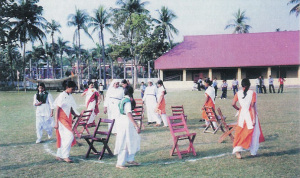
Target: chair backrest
(222, 117)
(177, 110)
(177, 125)
(138, 102)
(104, 134)
(211, 114)
(138, 112)
(85, 116)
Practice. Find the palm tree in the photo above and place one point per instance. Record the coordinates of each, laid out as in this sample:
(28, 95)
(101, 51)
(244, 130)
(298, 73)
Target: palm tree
(62, 47)
(28, 25)
(99, 22)
(166, 17)
(296, 8)
(48, 54)
(79, 20)
(52, 28)
(124, 16)
(97, 52)
(239, 23)
(36, 54)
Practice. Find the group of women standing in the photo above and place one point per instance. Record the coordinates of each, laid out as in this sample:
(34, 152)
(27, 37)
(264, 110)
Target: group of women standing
(154, 99)
(118, 105)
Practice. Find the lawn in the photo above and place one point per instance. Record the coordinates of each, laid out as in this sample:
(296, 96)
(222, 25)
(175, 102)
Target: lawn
(278, 156)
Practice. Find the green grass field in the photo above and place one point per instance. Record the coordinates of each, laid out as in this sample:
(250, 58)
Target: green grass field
(278, 155)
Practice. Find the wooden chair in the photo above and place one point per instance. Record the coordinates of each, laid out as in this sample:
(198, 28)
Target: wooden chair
(82, 121)
(138, 115)
(179, 131)
(139, 102)
(178, 110)
(228, 128)
(213, 117)
(100, 136)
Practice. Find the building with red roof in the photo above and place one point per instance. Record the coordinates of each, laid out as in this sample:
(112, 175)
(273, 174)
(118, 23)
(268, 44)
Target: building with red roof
(231, 56)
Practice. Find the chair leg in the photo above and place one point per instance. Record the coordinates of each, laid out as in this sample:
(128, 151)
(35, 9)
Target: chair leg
(191, 146)
(174, 146)
(90, 147)
(221, 139)
(178, 152)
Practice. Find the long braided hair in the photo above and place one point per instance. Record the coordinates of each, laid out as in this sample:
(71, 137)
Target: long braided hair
(161, 83)
(246, 83)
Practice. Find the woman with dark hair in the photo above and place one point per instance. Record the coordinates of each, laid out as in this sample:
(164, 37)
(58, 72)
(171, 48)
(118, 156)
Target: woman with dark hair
(66, 106)
(209, 100)
(92, 100)
(161, 104)
(43, 102)
(128, 139)
(248, 133)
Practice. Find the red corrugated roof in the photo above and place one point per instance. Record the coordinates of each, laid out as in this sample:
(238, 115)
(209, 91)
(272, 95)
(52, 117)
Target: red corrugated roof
(233, 50)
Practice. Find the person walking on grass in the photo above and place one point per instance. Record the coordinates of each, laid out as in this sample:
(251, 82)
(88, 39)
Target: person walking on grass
(209, 100)
(128, 139)
(43, 102)
(248, 133)
(66, 106)
(161, 104)
(92, 101)
(150, 100)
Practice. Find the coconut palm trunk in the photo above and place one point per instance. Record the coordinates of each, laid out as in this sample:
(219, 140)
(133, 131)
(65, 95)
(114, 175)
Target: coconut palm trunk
(78, 62)
(24, 66)
(103, 56)
(61, 66)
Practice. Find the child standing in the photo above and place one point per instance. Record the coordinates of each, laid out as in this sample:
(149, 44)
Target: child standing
(101, 91)
(43, 102)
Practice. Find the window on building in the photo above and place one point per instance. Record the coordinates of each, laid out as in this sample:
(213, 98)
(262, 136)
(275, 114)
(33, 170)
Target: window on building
(228, 74)
(173, 75)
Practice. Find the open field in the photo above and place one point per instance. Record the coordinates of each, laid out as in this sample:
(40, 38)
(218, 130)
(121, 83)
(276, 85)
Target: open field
(278, 156)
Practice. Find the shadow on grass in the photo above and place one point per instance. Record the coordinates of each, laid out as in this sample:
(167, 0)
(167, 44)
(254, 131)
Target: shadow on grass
(271, 137)
(16, 144)
(293, 151)
(18, 166)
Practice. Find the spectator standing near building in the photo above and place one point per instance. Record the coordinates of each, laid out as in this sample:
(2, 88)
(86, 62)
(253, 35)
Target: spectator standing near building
(235, 86)
(101, 91)
(257, 85)
(281, 81)
(199, 84)
(215, 85)
(224, 90)
(271, 80)
(142, 88)
(263, 87)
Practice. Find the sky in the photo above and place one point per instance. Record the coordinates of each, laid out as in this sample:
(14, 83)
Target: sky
(194, 17)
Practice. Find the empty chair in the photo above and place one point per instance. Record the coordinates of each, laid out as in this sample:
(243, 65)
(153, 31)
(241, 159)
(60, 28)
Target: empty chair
(81, 124)
(228, 128)
(138, 115)
(214, 120)
(179, 131)
(178, 110)
(100, 136)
